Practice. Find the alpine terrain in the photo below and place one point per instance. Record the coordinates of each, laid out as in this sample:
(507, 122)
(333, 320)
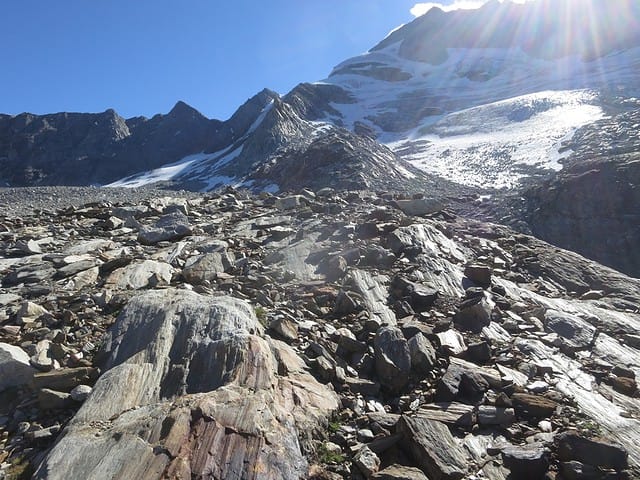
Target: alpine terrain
(424, 266)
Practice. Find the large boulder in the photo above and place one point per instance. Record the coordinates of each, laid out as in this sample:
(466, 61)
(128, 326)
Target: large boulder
(191, 389)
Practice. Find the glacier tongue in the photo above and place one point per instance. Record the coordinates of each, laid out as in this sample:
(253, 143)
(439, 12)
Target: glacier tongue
(500, 143)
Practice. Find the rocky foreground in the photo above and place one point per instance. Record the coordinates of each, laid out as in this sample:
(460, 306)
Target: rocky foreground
(320, 335)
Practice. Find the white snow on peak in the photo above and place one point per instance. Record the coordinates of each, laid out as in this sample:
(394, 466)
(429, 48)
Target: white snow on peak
(200, 166)
(483, 116)
(161, 174)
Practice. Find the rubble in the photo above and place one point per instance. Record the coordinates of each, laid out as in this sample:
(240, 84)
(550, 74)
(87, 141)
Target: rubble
(353, 340)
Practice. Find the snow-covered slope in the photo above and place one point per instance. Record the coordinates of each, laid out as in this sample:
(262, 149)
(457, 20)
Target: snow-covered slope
(484, 114)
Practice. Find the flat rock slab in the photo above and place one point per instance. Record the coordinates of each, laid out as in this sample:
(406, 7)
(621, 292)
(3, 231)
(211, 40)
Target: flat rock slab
(433, 448)
(399, 472)
(575, 333)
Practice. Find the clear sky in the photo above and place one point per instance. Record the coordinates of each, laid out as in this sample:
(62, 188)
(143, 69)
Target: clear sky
(141, 56)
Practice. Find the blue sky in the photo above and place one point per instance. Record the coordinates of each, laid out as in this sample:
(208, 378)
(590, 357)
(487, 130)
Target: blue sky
(141, 56)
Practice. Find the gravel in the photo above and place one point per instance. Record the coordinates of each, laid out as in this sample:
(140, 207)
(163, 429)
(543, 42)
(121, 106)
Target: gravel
(23, 201)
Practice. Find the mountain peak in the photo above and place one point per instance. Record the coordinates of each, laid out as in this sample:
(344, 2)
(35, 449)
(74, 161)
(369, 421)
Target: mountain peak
(183, 110)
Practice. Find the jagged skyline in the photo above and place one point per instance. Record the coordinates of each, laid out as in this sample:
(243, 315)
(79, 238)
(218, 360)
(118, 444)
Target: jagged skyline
(140, 58)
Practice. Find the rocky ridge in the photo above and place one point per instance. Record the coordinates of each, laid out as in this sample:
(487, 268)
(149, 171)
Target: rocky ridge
(323, 334)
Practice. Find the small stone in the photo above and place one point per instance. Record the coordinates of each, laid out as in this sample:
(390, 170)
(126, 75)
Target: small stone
(15, 369)
(479, 274)
(285, 328)
(367, 461)
(473, 314)
(488, 415)
(81, 392)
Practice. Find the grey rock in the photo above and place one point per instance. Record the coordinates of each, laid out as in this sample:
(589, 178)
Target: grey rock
(393, 360)
(291, 202)
(576, 333)
(420, 206)
(453, 413)
(136, 276)
(53, 400)
(81, 392)
(452, 341)
(433, 448)
(598, 453)
(166, 344)
(423, 355)
(206, 267)
(43, 358)
(169, 227)
(473, 314)
(366, 461)
(15, 369)
(488, 415)
(528, 462)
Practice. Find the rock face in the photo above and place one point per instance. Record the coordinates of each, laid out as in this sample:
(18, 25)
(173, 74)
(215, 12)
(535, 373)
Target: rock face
(185, 385)
(591, 207)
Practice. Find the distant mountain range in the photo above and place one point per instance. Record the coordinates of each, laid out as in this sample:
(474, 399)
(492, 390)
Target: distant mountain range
(482, 102)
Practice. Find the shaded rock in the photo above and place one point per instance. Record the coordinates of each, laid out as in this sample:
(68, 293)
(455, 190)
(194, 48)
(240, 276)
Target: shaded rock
(64, 379)
(15, 369)
(579, 471)
(171, 227)
(53, 400)
(433, 448)
(625, 385)
(529, 462)
(345, 304)
(420, 298)
(597, 453)
(28, 247)
(285, 328)
(393, 360)
(488, 415)
(478, 274)
(29, 312)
